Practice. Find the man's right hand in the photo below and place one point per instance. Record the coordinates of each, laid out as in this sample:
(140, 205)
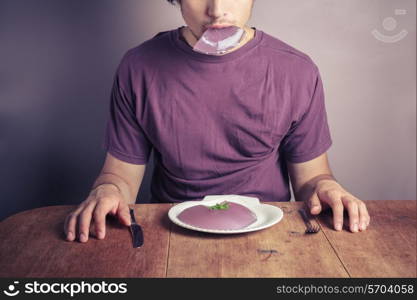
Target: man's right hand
(104, 199)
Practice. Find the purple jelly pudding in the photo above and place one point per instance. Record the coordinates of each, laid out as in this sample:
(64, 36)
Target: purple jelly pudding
(223, 216)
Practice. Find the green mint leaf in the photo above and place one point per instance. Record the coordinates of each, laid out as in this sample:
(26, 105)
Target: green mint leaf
(220, 206)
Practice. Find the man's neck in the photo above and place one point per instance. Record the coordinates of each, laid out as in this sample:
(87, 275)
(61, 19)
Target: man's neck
(191, 39)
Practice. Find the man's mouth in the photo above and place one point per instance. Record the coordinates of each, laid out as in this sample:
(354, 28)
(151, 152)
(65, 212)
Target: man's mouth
(217, 26)
(217, 40)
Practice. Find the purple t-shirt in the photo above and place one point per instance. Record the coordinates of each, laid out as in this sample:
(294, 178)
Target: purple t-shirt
(217, 124)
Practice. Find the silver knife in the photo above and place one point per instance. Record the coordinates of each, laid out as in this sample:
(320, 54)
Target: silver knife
(136, 230)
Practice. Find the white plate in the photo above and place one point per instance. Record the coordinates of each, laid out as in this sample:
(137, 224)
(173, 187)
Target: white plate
(267, 215)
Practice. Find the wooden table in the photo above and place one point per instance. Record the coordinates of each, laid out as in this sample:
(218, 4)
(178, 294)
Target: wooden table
(33, 245)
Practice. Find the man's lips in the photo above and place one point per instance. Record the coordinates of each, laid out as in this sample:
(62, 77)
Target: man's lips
(217, 26)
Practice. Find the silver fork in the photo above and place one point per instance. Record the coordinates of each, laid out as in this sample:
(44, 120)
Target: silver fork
(310, 227)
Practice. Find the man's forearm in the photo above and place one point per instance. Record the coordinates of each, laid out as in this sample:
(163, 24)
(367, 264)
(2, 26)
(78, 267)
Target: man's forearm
(127, 191)
(305, 189)
(305, 176)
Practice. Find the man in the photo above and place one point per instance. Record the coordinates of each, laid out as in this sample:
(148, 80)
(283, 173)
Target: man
(235, 123)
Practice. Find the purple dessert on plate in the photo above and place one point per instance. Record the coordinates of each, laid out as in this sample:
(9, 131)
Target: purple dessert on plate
(219, 40)
(222, 216)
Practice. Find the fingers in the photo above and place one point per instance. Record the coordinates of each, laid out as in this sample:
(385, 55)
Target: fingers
(337, 208)
(333, 199)
(84, 220)
(314, 204)
(339, 200)
(71, 223)
(123, 213)
(358, 213)
(353, 210)
(95, 210)
(99, 215)
(364, 217)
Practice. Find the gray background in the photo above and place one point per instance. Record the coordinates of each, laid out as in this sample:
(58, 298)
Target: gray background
(58, 58)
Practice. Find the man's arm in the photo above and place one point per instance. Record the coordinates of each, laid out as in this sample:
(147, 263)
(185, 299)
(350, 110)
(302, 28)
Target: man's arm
(116, 187)
(125, 176)
(314, 183)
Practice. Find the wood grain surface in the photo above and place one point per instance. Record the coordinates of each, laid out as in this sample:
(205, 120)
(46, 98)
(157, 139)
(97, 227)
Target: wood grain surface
(33, 245)
(294, 254)
(386, 249)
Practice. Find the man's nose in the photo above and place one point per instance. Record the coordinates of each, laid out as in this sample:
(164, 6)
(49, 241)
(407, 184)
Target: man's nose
(216, 9)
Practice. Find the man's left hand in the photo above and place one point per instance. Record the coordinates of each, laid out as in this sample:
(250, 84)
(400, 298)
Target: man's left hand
(329, 193)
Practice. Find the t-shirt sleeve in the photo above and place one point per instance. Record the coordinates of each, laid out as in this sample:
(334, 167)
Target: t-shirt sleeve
(309, 137)
(124, 136)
